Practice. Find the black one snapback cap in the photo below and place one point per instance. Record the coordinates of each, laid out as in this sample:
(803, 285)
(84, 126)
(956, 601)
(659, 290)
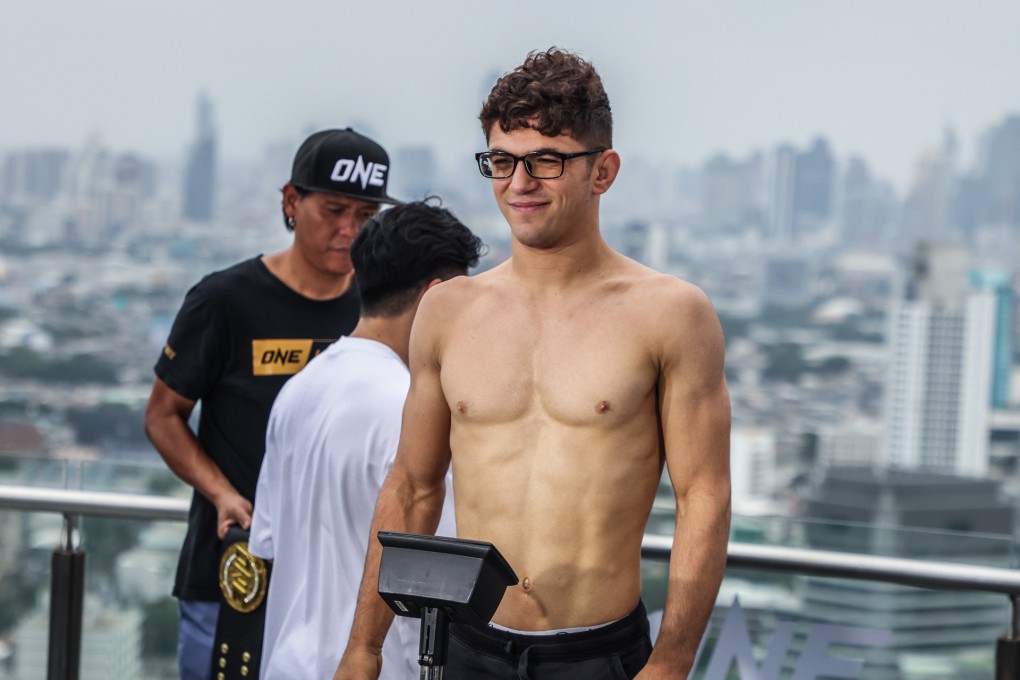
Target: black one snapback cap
(343, 162)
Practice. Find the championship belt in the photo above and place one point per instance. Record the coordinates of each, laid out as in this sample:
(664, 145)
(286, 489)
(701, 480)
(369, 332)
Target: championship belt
(244, 580)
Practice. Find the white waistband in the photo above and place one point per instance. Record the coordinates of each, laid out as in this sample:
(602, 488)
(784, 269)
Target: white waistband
(557, 631)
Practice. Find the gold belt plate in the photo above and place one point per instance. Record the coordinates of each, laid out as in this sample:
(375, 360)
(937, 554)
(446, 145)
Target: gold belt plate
(243, 578)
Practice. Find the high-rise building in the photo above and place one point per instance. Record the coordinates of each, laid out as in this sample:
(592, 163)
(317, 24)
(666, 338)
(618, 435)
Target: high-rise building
(812, 186)
(33, 175)
(857, 443)
(753, 465)
(939, 391)
(200, 173)
(1000, 172)
(855, 205)
(798, 189)
(930, 211)
(865, 209)
(779, 179)
(727, 193)
(997, 283)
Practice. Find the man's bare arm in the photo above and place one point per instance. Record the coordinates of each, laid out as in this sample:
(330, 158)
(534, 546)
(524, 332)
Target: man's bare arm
(166, 425)
(695, 415)
(411, 498)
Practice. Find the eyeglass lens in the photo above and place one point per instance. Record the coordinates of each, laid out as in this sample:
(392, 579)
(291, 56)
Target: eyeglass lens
(539, 165)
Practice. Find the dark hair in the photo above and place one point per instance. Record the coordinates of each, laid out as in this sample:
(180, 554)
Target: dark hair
(553, 92)
(302, 193)
(401, 249)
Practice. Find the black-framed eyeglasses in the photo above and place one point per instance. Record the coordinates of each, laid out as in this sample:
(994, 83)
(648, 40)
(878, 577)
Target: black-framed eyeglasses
(539, 164)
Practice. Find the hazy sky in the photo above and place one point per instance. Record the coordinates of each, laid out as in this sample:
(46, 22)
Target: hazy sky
(880, 78)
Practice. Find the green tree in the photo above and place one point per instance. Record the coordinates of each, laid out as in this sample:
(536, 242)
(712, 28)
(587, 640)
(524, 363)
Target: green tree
(832, 366)
(784, 362)
(22, 362)
(106, 422)
(105, 538)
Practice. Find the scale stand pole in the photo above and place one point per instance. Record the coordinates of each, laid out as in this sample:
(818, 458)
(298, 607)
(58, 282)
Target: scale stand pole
(432, 644)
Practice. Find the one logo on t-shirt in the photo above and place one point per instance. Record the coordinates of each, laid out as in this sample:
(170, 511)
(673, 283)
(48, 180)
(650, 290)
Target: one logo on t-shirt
(283, 356)
(169, 352)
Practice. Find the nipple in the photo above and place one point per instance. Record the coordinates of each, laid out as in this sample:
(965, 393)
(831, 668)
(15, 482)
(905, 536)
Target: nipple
(526, 584)
(462, 407)
(602, 406)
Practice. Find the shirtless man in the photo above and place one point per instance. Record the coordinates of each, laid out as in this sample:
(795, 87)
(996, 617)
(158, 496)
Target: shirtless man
(558, 383)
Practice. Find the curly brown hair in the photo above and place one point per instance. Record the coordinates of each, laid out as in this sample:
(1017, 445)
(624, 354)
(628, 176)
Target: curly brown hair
(553, 92)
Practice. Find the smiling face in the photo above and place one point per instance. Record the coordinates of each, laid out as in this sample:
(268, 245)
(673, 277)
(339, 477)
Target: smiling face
(324, 228)
(547, 213)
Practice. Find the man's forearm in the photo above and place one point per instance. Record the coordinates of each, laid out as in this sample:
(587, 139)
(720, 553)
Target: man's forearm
(397, 509)
(178, 446)
(373, 617)
(696, 567)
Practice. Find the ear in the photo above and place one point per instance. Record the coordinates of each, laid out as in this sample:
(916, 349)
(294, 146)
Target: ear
(290, 198)
(606, 169)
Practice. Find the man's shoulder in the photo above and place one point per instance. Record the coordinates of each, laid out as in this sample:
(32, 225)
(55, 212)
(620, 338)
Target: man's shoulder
(674, 289)
(654, 287)
(451, 297)
(231, 280)
(662, 308)
(239, 272)
(487, 278)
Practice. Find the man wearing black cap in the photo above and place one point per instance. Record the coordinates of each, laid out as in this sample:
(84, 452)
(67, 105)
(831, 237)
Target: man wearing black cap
(239, 335)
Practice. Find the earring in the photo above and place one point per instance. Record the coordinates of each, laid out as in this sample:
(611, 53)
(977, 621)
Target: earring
(290, 221)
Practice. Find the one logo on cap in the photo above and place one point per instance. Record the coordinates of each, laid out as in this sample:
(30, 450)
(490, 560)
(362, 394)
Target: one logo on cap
(243, 579)
(347, 170)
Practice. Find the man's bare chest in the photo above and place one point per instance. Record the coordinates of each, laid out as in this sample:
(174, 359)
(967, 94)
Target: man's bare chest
(575, 371)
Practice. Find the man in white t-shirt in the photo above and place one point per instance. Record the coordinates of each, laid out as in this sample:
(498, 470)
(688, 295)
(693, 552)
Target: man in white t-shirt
(331, 440)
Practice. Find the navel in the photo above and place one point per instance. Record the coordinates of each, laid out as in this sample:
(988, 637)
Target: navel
(602, 406)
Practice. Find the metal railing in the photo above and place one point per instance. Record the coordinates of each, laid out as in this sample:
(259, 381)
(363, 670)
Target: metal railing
(65, 641)
(96, 503)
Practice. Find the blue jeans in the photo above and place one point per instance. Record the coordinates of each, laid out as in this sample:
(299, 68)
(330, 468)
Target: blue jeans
(196, 632)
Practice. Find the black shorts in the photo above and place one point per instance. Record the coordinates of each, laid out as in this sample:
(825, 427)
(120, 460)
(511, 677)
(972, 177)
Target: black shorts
(614, 652)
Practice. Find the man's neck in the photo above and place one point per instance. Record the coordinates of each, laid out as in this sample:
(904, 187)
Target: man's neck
(304, 280)
(559, 267)
(392, 331)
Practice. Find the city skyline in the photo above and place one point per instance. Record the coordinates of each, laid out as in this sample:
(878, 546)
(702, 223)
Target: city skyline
(879, 80)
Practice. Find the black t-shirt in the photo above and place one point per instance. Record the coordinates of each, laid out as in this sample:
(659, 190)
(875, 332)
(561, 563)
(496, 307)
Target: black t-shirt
(239, 335)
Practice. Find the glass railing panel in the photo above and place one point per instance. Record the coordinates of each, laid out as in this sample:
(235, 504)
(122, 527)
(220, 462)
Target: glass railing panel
(892, 632)
(129, 619)
(26, 544)
(791, 623)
